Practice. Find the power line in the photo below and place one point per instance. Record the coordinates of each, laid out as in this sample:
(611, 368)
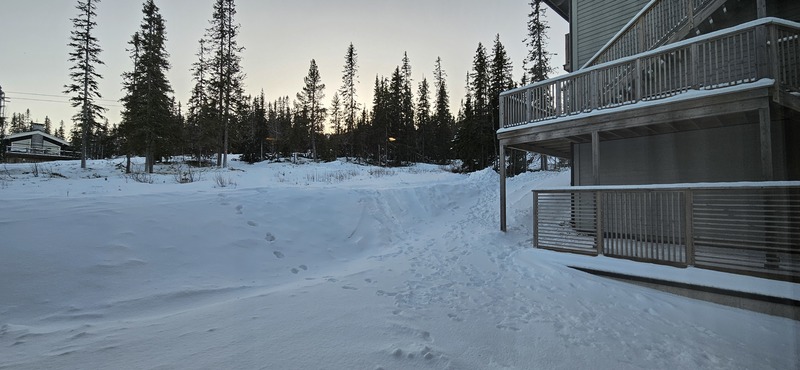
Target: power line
(12, 98)
(55, 96)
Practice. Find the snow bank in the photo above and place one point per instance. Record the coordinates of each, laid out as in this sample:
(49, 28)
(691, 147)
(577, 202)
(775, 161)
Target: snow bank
(334, 266)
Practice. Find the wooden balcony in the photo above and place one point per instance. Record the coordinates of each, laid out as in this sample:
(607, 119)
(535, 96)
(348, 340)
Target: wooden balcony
(722, 73)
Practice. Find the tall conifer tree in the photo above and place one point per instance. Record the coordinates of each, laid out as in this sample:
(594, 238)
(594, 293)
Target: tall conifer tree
(348, 94)
(442, 118)
(227, 79)
(310, 101)
(149, 114)
(84, 88)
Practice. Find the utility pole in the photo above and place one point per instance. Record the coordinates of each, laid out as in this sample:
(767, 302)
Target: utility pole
(2, 122)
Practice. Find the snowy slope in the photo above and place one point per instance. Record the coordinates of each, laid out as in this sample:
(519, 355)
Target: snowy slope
(328, 266)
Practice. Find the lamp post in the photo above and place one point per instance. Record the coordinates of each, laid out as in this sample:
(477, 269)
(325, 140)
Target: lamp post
(388, 140)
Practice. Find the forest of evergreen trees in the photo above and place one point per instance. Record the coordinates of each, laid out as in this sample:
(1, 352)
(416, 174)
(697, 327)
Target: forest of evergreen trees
(407, 121)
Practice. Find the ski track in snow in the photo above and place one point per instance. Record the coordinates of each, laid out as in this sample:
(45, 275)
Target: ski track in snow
(396, 272)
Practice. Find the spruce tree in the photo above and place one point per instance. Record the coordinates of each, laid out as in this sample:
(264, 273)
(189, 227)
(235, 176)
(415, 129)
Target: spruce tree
(442, 118)
(475, 137)
(423, 118)
(310, 104)
(501, 79)
(408, 126)
(84, 88)
(336, 114)
(227, 79)
(537, 64)
(48, 125)
(149, 117)
(348, 94)
(60, 133)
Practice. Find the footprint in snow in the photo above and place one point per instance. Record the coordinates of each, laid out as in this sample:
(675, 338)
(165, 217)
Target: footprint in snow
(348, 287)
(294, 270)
(252, 223)
(270, 237)
(303, 267)
(239, 209)
(278, 254)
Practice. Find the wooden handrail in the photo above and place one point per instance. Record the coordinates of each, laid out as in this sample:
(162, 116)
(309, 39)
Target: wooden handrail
(655, 25)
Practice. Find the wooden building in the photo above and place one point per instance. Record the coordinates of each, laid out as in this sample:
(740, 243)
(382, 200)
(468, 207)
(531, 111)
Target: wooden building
(36, 146)
(669, 107)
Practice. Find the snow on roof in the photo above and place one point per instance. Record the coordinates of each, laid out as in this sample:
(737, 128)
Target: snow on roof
(21, 135)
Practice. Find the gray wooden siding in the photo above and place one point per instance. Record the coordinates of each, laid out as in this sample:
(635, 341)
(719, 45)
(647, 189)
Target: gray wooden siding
(595, 22)
(729, 153)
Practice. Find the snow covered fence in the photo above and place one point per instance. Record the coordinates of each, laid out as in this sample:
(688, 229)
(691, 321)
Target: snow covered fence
(752, 229)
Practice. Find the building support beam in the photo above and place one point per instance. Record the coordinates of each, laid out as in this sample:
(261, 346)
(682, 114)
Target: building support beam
(596, 157)
(502, 187)
(765, 135)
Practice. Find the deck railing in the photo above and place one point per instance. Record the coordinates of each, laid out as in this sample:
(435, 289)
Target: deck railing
(753, 230)
(766, 48)
(40, 151)
(654, 26)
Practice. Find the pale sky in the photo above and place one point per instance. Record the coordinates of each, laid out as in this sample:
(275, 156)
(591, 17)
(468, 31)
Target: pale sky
(280, 37)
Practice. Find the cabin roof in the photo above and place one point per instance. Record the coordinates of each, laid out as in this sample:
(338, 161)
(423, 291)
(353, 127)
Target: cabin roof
(28, 134)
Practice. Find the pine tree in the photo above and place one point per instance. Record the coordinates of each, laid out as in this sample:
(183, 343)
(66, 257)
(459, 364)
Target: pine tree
(348, 94)
(310, 103)
(84, 87)
(149, 117)
(226, 80)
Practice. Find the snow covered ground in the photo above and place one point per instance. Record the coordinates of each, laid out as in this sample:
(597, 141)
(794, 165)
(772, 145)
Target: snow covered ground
(327, 266)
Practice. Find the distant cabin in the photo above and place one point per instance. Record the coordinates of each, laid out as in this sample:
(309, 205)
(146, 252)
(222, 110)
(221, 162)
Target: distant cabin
(36, 146)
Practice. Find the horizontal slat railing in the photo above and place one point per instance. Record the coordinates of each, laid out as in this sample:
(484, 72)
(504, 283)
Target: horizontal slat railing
(767, 48)
(752, 230)
(40, 151)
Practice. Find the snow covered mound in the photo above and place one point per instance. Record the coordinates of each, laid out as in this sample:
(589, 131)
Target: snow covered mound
(324, 266)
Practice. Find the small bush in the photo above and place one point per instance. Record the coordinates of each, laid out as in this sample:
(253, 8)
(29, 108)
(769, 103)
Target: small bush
(187, 176)
(381, 172)
(221, 181)
(142, 177)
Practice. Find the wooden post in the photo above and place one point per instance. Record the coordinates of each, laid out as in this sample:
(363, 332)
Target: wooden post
(638, 79)
(502, 110)
(773, 64)
(694, 66)
(761, 8)
(503, 188)
(596, 157)
(598, 214)
(688, 209)
(762, 69)
(765, 134)
(528, 106)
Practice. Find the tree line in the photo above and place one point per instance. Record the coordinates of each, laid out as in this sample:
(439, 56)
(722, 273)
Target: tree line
(407, 121)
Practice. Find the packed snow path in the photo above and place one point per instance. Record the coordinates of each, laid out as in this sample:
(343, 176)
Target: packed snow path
(330, 266)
